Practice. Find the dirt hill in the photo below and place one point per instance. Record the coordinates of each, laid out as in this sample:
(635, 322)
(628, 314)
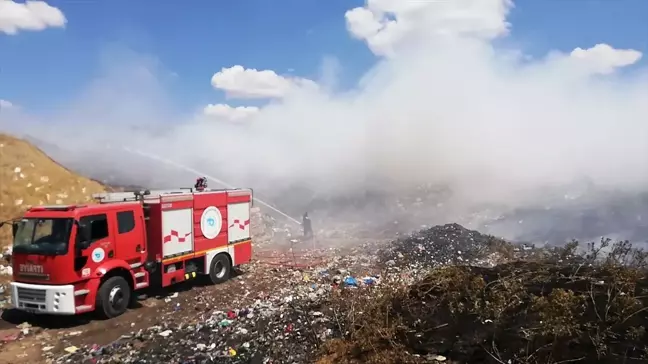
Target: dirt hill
(28, 177)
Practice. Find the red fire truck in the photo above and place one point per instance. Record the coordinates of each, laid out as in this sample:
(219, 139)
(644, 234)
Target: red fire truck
(68, 260)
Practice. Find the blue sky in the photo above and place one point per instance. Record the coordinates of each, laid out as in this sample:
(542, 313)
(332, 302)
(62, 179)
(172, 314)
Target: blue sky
(195, 39)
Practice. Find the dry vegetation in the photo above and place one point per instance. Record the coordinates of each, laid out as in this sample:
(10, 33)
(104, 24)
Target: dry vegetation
(28, 177)
(560, 308)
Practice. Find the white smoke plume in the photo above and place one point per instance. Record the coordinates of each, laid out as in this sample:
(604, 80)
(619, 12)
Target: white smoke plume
(444, 106)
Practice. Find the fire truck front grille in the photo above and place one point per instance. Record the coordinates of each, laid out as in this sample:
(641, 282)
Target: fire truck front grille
(31, 294)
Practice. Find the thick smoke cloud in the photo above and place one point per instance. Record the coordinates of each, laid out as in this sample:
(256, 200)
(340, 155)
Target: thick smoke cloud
(444, 106)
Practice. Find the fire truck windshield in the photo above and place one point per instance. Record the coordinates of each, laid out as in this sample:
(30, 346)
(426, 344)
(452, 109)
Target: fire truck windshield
(43, 236)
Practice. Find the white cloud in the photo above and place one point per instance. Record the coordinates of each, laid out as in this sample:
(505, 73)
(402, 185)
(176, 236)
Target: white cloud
(604, 59)
(238, 82)
(386, 24)
(229, 113)
(4, 104)
(30, 15)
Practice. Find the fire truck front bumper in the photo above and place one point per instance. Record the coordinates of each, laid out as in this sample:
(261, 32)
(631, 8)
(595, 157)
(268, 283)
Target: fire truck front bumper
(36, 298)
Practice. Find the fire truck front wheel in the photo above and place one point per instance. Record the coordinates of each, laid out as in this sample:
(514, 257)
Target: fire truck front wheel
(113, 297)
(219, 270)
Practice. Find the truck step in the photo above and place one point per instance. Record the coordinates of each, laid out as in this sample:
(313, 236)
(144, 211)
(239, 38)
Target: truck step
(141, 285)
(81, 292)
(83, 308)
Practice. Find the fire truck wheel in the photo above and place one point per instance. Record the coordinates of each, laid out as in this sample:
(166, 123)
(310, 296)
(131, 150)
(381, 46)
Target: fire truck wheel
(219, 271)
(113, 297)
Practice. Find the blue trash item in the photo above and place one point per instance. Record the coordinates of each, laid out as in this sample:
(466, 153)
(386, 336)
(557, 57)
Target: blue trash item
(324, 272)
(350, 281)
(369, 280)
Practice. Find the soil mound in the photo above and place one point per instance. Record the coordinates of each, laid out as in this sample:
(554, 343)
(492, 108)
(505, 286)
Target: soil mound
(28, 177)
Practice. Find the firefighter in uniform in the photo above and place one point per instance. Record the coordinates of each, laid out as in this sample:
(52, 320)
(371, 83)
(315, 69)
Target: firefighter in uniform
(201, 184)
(308, 228)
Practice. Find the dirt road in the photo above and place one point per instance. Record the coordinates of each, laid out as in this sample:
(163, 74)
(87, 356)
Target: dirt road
(28, 339)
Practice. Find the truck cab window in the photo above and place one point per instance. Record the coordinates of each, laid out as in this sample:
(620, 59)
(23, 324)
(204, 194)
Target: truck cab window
(98, 226)
(125, 222)
(45, 236)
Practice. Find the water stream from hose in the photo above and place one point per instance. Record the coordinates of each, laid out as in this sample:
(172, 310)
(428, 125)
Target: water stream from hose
(212, 178)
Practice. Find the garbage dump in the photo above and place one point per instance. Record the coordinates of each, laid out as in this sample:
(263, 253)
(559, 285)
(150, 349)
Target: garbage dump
(443, 294)
(450, 244)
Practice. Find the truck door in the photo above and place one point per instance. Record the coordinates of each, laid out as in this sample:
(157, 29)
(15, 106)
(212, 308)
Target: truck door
(129, 238)
(101, 247)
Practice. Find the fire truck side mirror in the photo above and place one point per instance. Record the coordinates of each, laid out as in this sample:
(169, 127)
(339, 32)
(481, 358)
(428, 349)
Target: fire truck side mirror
(14, 229)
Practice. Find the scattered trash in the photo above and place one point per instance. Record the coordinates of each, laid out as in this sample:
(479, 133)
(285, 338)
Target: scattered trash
(276, 313)
(449, 244)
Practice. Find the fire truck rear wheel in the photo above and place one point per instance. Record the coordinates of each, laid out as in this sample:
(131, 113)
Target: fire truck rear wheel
(219, 270)
(113, 297)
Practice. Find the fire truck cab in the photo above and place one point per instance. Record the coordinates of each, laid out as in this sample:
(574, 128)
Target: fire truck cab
(73, 259)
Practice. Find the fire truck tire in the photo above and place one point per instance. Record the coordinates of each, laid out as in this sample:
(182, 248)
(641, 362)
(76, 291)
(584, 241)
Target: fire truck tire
(220, 268)
(113, 298)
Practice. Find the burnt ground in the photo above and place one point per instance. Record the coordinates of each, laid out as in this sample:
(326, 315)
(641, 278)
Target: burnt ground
(520, 312)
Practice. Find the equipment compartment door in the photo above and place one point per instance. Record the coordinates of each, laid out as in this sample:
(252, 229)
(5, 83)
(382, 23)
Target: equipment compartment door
(238, 221)
(177, 232)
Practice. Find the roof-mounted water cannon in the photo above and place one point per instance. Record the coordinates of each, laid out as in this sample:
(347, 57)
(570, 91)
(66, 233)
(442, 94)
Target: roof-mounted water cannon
(201, 184)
